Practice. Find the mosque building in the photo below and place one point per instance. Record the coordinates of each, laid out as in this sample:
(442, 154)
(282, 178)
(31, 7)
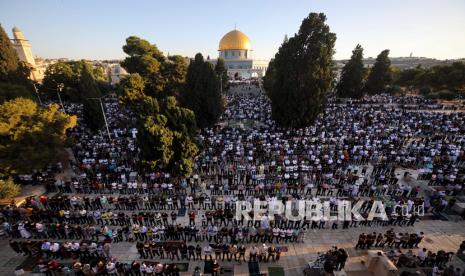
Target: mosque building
(235, 49)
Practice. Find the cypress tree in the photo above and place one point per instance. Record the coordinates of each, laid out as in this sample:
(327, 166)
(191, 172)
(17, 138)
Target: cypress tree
(303, 74)
(380, 74)
(93, 116)
(202, 94)
(351, 83)
(9, 61)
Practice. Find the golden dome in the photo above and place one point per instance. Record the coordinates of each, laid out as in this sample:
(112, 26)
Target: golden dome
(235, 40)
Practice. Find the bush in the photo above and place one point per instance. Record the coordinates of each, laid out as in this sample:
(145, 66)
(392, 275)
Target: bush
(425, 90)
(10, 91)
(446, 95)
(8, 189)
(394, 90)
(443, 95)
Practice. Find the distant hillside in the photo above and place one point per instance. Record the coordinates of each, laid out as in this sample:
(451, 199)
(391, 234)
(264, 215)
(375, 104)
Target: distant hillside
(407, 62)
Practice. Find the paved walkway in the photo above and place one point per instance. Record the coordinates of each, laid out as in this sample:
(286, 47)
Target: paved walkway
(445, 235)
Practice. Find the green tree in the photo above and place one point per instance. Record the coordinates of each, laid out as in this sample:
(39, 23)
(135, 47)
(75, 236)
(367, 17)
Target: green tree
(425, 90)
(380, 74)
(303, 73)
(9, 61)
(351, 83)
(30, 136)
(69, 73)
(270, 75)
(202, 94)
(8, 189)
(440, 77)
(90, 94)
(174, 70)
(409, 77)
(146, 60)
(165, 130)
(155, 140)
(133, 96)
(10, 91)
(222, 73)
(182, 122)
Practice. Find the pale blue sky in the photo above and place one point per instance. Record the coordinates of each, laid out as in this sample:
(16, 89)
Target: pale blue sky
(97, 29)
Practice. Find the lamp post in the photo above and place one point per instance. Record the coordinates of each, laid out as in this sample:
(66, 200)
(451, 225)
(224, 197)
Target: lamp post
(103, 113)
(37, 93)
(60, 87)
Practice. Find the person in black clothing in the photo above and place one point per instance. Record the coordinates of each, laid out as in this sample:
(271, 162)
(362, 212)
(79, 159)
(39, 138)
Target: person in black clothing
(225, 249)
(216, 268)
(174, 270)
(329, 266)
(198, 252)
(191, 250)
(341, 259)
(174, 253)
(271, 253)
(140, 249)
(15, 246)
(361, 241)
(135, 267)
(241, 251)
(183, 249)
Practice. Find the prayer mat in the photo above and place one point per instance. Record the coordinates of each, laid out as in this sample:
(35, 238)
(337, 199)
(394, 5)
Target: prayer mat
(254, 269)
(182, 212)
(275, 271)
(208, 267)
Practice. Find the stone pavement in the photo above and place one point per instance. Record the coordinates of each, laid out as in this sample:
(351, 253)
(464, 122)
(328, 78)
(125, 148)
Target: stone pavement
(445, 235)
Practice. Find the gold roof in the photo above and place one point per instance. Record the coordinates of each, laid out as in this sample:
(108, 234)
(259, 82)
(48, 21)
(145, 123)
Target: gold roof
(235, 40)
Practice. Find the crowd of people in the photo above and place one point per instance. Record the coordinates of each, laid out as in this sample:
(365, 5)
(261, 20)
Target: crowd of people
(354, 151)
(389, 239)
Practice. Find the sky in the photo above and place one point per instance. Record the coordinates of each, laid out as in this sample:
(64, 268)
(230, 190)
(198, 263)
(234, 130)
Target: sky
(93, 29)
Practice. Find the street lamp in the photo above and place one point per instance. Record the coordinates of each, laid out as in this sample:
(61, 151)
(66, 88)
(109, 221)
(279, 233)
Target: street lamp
(37, 92)
(60, 87)
(103, 112)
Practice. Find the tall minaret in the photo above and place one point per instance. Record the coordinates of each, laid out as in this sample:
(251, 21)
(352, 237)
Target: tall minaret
(24, 50)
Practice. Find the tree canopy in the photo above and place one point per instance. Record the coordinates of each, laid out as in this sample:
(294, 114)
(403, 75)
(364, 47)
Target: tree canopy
(92, 111)
(9, 91)
(303, 73)
(380, 74)
(439, 77)
(30, 135)
(351, 82)
(69, 73)
(8, 189)
(202, 94)
(165, 129)
(270, 75)
(175, 70)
